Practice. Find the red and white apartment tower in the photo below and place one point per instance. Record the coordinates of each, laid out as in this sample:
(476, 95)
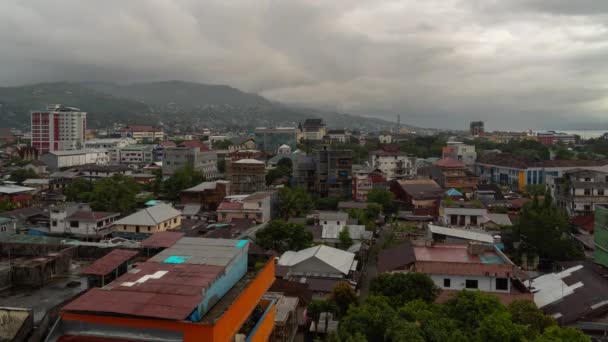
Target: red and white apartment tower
(58, 128)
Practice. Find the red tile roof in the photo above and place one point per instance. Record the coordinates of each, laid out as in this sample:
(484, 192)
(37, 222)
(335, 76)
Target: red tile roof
(195, 144)
(167, 144)
(449, 162)
(230, 206)
(162, 239)
(109, 262)
(142, 128)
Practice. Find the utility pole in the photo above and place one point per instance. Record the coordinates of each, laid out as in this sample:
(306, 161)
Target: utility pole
(398, 123)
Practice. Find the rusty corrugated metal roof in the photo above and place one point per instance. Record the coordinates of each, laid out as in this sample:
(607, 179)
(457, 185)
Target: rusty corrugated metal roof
(109, 262)
(162, 239)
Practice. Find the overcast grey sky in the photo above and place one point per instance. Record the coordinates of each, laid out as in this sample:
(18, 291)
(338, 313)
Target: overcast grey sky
(516, 64)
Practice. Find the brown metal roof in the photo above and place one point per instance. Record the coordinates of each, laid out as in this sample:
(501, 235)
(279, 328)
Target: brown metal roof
(109, 262)
(159, 290)
(396, 257)
(162, 239)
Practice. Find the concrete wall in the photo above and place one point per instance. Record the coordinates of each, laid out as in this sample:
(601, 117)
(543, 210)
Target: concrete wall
(485, 284)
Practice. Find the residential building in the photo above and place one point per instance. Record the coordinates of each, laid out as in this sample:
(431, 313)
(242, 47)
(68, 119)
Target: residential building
(208, 195)
(456, 267)
(440, 234)
(195, 290)
(579, 191)
(37, 166)
(157, 218)
(56, 160)
(321, 267)
(260, 206)
(552, 138)
(178, 157)
(40, 184)
(461, 152)
(338, 136)
(143, 133)
(8, 225)
(269, 139)
(246, 175)
(242, 143)
(365, 181)
(463, 214)
(333, 172)
(109, 267)
(95, 172)
(516, 171)
(332, 223)
(304, 172)
(134, 154)
(312, 129)
(477, 128)
(421, 196)
(284, 150)
(80, 220)
(19, 196)
(58, 128)
(392, 162)
(451, 173)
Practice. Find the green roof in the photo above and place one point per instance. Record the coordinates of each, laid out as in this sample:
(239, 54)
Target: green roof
(5, 219)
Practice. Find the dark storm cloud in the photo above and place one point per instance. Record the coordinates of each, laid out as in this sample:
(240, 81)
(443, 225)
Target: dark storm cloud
(516, 64)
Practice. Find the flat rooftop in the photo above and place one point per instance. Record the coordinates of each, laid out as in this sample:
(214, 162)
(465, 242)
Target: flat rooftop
(457, 254)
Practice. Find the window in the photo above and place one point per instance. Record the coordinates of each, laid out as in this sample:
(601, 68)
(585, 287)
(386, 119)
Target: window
(587, 207)
(54, 223)
(474, 220)
(587, 179)
(600, 192)
(446, 282)
(587, 192)
(338, 223)
(502, 284)
(74, 224)
(471, 284)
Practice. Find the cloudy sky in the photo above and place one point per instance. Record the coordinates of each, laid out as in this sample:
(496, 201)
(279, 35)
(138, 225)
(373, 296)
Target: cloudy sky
(516, 64)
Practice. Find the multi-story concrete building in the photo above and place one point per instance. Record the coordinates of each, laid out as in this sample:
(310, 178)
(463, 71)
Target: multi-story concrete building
(260, 206)
(80, 220)
(392, 163)
(365, 181)
(176, 158)
(134, 154)
(451, 173)
(579, 191)
(109, 143)
(207, 194)
(517, 172)
(143, 133)
(56, 160)
(552, 138)
(270, 139)
(333, 172)
(461, 152)
(463, 214)
(477, 128)
(58, 128)
(312, 129)
(246, 175)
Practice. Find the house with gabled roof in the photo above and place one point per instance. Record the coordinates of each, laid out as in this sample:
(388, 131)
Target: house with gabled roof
(157, 218)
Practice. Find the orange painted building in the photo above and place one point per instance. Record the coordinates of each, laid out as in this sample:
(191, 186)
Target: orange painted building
(221, 322)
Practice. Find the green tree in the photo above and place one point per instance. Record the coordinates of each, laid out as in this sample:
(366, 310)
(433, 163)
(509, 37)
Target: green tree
(402, 331)
(371, 319)
(183, 178)
(6, 205)
(21, 175)
(316, 308)
(294, 202)
(401, 288)
(558, 334)
(222, 144)
(117, 193)
(281, 236)
(526, 313)
(79, 190)
(470, 308)
(327, 203)
(343, 296)
(345, 240)
(499, 327)
(382, 197)
(434, 324)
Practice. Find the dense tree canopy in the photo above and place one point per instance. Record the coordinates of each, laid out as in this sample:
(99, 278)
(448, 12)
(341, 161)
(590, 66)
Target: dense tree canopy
(343, 295)
(117, 193)
(183, 178)
(401, 288)
(345, 240)
(22, 174)
(79, 190)
(281, 236)
(294, 202)
(381, 197)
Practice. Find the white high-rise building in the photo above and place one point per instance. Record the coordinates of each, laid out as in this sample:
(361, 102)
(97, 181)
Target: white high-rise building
(58, 128)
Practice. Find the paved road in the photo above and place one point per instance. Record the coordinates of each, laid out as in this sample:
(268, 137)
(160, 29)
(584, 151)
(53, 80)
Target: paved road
(369, 272)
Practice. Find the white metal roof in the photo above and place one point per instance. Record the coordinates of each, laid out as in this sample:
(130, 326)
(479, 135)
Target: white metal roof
(550, 288)
(467, 234)
(14, 189)
(336, 258)
(500, 219)
(150, 216)
(248, 161)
